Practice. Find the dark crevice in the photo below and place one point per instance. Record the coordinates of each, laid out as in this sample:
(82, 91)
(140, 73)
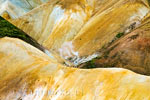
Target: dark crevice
(9, 30)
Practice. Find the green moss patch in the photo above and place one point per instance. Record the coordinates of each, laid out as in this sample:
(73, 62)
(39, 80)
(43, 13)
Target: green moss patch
(120, 34)
(9, 30)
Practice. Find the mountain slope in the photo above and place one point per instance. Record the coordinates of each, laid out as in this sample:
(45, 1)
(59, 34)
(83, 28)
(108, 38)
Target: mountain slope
(26, 73)
(70, 28)
(17, 8)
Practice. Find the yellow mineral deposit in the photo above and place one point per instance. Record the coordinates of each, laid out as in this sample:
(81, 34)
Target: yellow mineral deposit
(76, 30)
(26, 73)
(131, 51)
(71, 27)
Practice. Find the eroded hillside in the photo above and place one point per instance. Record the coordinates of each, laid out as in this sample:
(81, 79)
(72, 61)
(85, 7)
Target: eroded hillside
(111, 36)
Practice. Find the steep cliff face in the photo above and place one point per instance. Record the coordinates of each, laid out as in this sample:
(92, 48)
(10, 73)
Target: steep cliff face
(70, 28)
(28, 74)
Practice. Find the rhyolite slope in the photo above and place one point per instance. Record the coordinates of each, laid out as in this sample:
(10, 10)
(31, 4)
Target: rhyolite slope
(70, 28)
(17, 8)
(26, 73)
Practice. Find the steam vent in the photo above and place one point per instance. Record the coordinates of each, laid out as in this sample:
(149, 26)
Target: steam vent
(75, 50)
